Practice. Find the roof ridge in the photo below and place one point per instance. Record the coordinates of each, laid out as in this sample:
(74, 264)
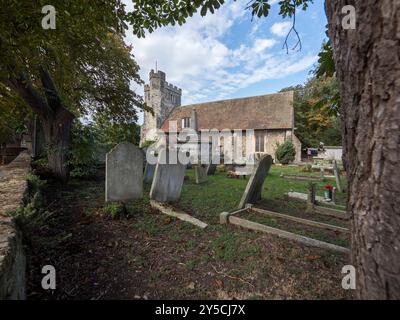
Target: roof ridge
(233, 99)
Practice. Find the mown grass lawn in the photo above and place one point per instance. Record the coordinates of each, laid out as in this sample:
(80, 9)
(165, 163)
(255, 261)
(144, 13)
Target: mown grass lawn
(221, 193)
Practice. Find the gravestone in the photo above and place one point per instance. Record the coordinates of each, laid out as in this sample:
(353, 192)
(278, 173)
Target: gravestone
(253, 189)
(124, 173)
(211, 168)
(168, 180)
(311, 199)
(149, 172)
(200, 172)
(337, 176)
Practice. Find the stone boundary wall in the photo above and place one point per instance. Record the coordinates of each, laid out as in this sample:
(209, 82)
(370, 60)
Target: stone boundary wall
(13, 185)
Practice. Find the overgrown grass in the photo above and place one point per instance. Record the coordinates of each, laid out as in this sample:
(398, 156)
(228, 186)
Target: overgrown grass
(32, 217)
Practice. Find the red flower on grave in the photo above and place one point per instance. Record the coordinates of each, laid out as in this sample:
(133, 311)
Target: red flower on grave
(329, 187)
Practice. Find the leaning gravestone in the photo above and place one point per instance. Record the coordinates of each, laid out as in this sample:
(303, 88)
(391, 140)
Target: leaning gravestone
(254, 187)
(168, 180)
(200, 172)
(124, 173)
(149, 172)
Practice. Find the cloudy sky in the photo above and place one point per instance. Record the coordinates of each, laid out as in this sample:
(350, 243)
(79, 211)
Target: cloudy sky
(227, 55)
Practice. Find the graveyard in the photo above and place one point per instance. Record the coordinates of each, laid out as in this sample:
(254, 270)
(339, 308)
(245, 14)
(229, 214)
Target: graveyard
(142, 253)
(199, 150)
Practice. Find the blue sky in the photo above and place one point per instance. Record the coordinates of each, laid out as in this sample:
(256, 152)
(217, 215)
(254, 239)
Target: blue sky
(227, 55)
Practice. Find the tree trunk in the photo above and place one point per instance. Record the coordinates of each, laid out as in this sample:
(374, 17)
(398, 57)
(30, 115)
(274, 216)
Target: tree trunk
(368, 68)
(55, 118)
(57, 137)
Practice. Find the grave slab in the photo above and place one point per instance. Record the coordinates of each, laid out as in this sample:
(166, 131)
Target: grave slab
(168, 181)
(124, 173)
(149, 172)
(200, 172)
(253, 189)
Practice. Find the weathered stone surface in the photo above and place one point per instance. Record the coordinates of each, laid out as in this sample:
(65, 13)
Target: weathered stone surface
(200, 172)
(124, 173)
(285, 234)
(253, 189)
(149, 172)
(168, 181)
(12, 257)
(337, 176)
(178, 214)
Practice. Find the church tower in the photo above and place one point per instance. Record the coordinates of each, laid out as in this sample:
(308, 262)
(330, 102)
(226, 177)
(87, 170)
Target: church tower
(162, 97)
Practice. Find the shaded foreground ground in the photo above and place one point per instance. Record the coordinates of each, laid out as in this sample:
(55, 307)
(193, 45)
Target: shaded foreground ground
(152, 256)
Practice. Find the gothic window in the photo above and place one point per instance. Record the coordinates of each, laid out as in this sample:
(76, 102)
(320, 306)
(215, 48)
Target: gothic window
(185, 123)
(259, 141)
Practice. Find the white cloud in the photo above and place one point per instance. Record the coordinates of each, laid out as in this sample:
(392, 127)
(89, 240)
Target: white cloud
(198, 58)
(281, 29)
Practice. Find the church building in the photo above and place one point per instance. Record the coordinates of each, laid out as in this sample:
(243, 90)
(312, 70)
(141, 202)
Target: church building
(270, 116)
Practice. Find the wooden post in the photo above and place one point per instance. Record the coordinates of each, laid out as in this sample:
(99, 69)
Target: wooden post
(337, 176)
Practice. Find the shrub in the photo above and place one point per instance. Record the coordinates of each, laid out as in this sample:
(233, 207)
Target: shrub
(147, 143)
(307, 168)
(115, 210)
(32, 217)
(285, 152)
(82, 158)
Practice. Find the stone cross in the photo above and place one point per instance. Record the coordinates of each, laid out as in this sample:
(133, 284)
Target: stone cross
(124, 173)
(254, 187)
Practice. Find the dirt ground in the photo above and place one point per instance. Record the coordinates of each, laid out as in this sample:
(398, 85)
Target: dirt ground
(153, 256)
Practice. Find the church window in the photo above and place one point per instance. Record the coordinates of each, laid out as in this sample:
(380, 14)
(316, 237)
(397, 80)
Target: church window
(259, 141)
(185, 123)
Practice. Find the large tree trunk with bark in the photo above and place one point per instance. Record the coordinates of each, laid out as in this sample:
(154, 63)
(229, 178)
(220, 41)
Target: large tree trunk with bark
(57, 133)
(368, 68)
(55, 118)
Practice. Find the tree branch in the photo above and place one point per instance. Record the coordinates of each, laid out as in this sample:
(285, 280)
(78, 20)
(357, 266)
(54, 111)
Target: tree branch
(52, 96)
(293, 28)
(30, 95)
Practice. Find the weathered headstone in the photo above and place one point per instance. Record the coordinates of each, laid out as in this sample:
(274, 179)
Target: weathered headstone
(149, 172)
(322, 172)
(254, 187)
(124, 173)
(337, 176)
(168, 180)
(211, 168)
(334, 190)
(311, 197)
(200, 172)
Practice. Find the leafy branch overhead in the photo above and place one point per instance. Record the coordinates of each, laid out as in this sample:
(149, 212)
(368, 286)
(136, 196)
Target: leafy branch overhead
(152, 14)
